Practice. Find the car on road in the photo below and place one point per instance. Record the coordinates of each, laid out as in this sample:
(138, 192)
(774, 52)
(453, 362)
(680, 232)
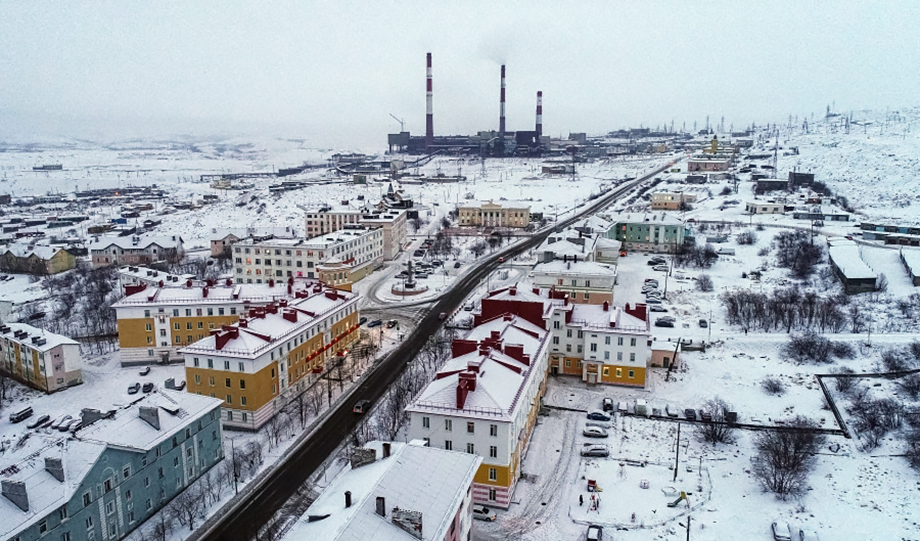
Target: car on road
(781, 531)
(362, 321)
(703, 323)
(595, 533)
(148, 387)
(361, 406)
(392, 323)
(849, 237)
(134, 388)
(442, 316)
(598, 415)
(607, 404)
(501, 259)
(690, 414)
(39, 422)
(657, 308)
(469, 307)
(663, 323)
(375, 323)
(144, 371)
(622, 253)
(481, 512)
(457, 265)
(595, 449)
(594, 432)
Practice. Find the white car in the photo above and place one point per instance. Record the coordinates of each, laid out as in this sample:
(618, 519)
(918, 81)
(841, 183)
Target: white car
(481, 512)
(594, 432)
(807, 535)
(595, 449)
(781, 531)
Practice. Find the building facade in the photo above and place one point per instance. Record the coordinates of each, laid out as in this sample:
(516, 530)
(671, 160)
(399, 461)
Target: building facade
(355, 247)
(660, 233)
(760, 207)
(492, 416)
(38, 260)
(709, 162)
(586, 282)
(489, 214)
(40, 359)
(154, 323)
(671, 201)
(268, 357)
(134, 250)
(121, 468)
(393, 222)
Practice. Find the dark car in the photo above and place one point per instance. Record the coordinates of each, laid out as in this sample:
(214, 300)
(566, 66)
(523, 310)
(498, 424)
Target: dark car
(442, 315)
(595, 533)
(690, 414)
(134, 388)
(664, 323)
(375, 323)
(657, 308)
(148, 387)
(608, 404)
(598, 416)
(457, 265)
(361, 406)
(392, 323)
(144, 371)
(362, 321)
(703, 323)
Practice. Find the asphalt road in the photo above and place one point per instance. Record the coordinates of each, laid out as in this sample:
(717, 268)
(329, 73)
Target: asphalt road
(248, 515)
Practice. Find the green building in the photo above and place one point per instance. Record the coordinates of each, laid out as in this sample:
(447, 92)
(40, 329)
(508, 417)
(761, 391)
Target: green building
(658, 232)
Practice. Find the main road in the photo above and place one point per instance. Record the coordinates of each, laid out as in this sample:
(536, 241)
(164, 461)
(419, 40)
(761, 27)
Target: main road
(244, 518)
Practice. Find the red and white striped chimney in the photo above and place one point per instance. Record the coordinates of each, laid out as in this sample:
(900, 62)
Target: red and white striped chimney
(429, 116)
(501, 111)
(539, 115)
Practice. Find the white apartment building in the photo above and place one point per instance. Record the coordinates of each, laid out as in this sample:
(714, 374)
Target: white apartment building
(491, 416)
(586, 282)
(357, 247)
(393, 222)
(38, 358)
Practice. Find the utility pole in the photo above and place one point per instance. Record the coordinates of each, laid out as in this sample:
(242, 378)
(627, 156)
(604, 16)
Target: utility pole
(709, 338)
(677, 453)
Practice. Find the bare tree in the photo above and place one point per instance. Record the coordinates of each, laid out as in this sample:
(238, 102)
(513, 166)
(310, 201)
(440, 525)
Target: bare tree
(704, 283)
(188, 505)
(298, 408)
(785, 457)
(718, 430)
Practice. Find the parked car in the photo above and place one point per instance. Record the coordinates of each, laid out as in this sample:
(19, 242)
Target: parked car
(704, 323)
(781, 531)
(597, 415)
(655, 261)
(361, 406)
(392, 323)
(594, 432)
(660, 268)
(437, 263)
(134, 388)
(607, 404)
(422, 276)
(671, 411)
(457, 265)
(180, 386)
(663, 323)
(481, 512)
(807, 535)
(63, 420)
(39, 422)
(652, 300)
(595, 449)
(144, 371)
(375, 323)
(690, 414)
(657, 308)
(76, 425)
(469, 307)
(21, 415)
(622, 407)
(148, 387)
(651, 281)
(67, 426)
(595, 533)
(653, 295)
(362, 321)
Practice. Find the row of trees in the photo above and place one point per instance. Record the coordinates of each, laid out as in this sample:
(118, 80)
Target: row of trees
(787, 309)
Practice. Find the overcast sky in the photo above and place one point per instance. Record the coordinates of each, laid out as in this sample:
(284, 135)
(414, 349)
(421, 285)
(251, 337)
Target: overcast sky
(333, 71)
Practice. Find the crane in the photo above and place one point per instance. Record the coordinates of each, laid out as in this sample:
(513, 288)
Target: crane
(402, 123)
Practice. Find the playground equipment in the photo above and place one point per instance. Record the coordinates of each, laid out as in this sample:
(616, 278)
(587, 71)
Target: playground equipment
(592, 486)
(683, 496)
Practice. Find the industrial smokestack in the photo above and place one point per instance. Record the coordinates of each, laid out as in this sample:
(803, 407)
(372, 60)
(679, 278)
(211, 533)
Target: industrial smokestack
(539, 115)
(501, 111)
(429, 116)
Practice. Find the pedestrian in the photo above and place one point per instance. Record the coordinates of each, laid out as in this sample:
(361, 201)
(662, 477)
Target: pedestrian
(581, 500)
(745, 331)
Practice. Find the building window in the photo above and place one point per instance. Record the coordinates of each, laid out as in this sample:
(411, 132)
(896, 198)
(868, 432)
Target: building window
(470, 448)
(126, 472)
(197, 379)
(632, 374)
(568, 333)
(229, 400)
(606, 355)
(470, 428)
(593, 347)
(619, 372)
(426, 422)
(568, 363)
(493, 476)
(448, 445)
(493, 451)
(606, 371)
(587, 296)
(493, 430)
(107, 485)
(87, 499)
(632, 357)
(226, 382)
(556, 340)
(619, 340)
(448, 425)
(632, 342)
(619, 355)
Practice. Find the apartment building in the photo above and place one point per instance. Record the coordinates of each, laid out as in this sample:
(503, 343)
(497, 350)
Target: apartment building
(493, 416)
(654, 232)
(671, 201)
(393, 222)
(358, 248)
(40, 359)
(38, 260)
(395, 492)
(154, 323)
(586, 282)
(262, 361)
(134, 279)
(489, 214)
(134, 250)
(119, 469)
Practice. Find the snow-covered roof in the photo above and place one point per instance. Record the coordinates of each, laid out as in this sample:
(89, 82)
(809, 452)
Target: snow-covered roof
(594, 222)
(23, 251)
(569, 243)
(320, 242)
(558, 267)
(651, 218)
(25, 461)
(51, 340)
(262, 330)
(495, 204)
(414, 477)
(217, 294)
(912, 260)
(613, 319)
(501, 375)
(845, 256)
(136, 243)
